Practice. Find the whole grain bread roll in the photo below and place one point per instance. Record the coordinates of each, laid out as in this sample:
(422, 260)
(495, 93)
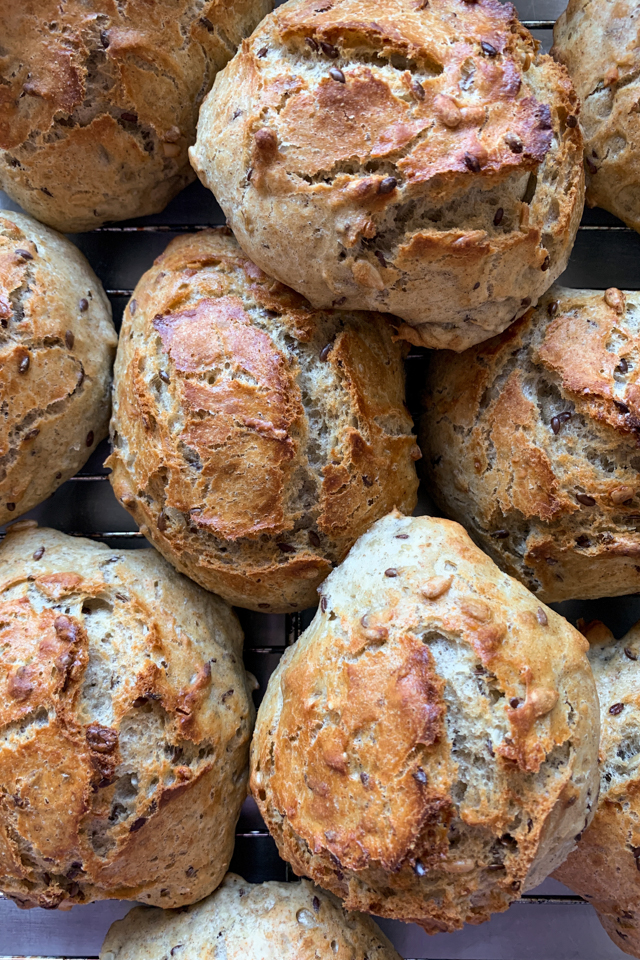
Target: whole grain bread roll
(427, 750)
(599, 43)
(604, 866)
(254, 438)
(243, 921)
(57, 345)
(125, 722)
(418, 158)
(99, 100)
(531, 442)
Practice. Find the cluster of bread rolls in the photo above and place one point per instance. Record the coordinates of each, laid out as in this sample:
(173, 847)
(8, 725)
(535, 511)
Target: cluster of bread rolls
(439, 740)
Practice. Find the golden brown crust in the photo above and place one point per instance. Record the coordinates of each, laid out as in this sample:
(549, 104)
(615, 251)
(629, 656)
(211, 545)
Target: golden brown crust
(57, 345)
(599, 43)
(99, 101)
(531, 441)
(427, 749)
(267, 921)
(122, 690)
(399, 157)
(254, 438)
(604, 868)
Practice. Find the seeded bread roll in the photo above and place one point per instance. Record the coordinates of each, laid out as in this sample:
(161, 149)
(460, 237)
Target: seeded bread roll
(254, 438)
(599, 43)
(531, 442)
(604, 867)
(125, 722)
(57, 345)
(417, 158)
(99, 100)
(240, 921)
(427, 750)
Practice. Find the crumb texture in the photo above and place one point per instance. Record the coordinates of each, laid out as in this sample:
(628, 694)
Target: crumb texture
(269, 921)
(99, 101)
(427, 750)
(254, 438)
(599, 43)
(420, 159)
(57, 345)
(124, 727)
(531, 441)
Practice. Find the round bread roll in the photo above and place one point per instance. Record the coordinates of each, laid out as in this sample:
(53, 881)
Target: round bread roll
(242, 921)
(531, 442)
(604, 867)
(57, 344)
(100, 101)
(427, 750)
(124, 727)
(254, 438)
(600, 45)
(417, 158)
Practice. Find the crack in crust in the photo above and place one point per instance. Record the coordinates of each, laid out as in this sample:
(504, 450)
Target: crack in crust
(100, 102)
(420, 159)
(254, 438)
(427, 750)
(531, 441)
(600, 46)
(121, 689)
(55, 362)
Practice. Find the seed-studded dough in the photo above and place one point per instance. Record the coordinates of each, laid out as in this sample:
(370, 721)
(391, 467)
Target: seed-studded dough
(125, 720)
(254, 438)
(57, 345)
(242, 921)
(531, 442)
(604, 867)
(599, 43)
(428, 749)
(99, 100)
(418, 158)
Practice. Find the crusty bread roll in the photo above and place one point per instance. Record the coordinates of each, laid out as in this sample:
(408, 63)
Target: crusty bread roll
(125, 722)
(418, 158)
(427, 750)
(604, 868)
(242, 921)
(254, 438)
(100, 99)
(531, 442)
(599, 43)
(57, 344)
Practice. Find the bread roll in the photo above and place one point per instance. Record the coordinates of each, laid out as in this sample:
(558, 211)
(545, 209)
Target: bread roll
(418, 158)
(427, 750)
(125, 722)
(240, 921)
(604, 867)
(57, 345)
(254, 438)
(599, 44)
(100, 99)
(531, 442)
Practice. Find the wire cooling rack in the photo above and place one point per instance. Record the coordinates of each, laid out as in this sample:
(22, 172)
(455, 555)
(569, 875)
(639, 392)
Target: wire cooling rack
(548, 924)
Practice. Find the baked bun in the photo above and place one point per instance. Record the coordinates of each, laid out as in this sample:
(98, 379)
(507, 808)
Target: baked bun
(600, 46)
(100, 101)
(254, 438)
(124, 727)
(427, 750)
(242, 921)
(57, 344)
(531, 442)
(417, 158)
(604, 867)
